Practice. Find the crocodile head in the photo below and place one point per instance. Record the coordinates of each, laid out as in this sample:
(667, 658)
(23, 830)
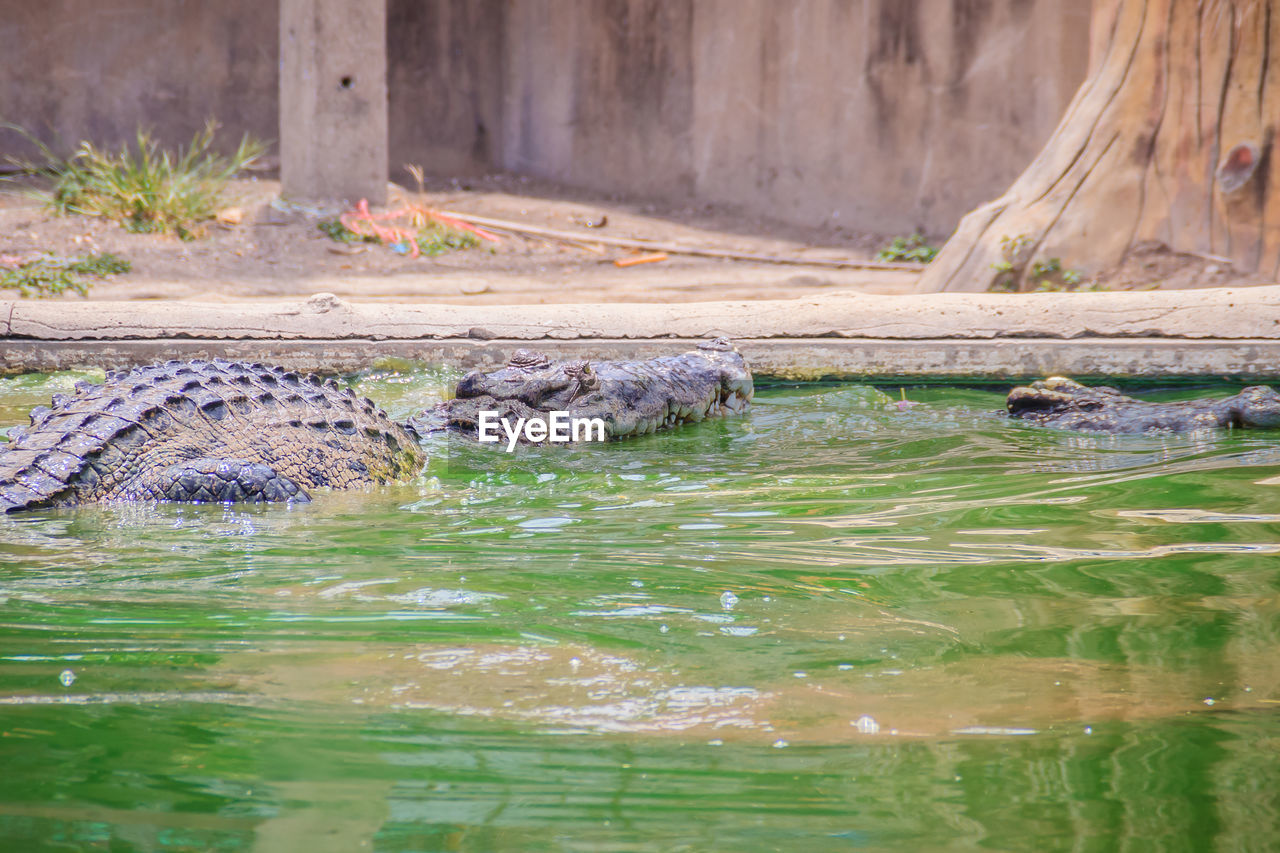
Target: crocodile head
(530, 378)
(1059, 395)
(1061, 402)
(1257, 406)
(631, 397)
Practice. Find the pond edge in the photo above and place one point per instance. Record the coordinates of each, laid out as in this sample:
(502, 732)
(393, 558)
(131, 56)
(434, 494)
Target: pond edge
(1223, 333)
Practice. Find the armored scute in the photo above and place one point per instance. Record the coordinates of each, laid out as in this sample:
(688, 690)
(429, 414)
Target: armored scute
(1064, 403)
(202, 431)
(227, 432)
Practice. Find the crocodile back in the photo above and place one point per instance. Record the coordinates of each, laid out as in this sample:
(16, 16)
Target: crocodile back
(103, 441)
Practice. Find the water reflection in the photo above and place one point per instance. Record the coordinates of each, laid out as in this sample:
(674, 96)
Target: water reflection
(828, 624)
(424, 782)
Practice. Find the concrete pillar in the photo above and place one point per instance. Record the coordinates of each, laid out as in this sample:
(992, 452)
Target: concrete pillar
(333, 100)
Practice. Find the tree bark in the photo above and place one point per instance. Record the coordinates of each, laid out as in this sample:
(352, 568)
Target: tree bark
(1170, 140)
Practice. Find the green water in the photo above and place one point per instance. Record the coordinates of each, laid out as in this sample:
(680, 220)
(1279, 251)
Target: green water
(1053, 641)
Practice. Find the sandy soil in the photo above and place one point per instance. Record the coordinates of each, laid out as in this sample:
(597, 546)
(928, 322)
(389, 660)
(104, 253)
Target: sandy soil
(1153, 267)
(277, 251)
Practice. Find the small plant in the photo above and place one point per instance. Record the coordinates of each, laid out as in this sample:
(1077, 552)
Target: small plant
(1015, 252)
(1048, 274)
(1017, 272)
(49, 163)
(149, 190)
(339, 233)
(435, 239)
(914, 248)
(50, 276)
(1045, 268)
(423, 232)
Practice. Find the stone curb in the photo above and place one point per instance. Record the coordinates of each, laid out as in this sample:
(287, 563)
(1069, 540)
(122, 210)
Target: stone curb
(1202, 333)
(795, 359)
(1226, 313)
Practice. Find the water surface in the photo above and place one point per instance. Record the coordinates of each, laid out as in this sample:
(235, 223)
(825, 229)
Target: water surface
(832, 624)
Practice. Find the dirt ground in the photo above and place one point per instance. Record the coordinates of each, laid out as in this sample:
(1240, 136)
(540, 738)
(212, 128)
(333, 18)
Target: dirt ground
(276, 251)
(1154, 267)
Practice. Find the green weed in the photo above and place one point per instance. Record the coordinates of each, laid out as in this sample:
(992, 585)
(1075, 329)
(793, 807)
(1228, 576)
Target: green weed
(1045, 268)
(49, 163)
(1048, 274)
(149, 190)
(1014, 255)
(1044, 274)
(436, 239)
(1041, 276)
(914, 248)
(339, 233)
(50, 276)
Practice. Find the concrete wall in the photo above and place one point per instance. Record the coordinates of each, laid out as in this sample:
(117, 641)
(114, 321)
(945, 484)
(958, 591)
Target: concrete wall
(881, 115)
(80, 69)
(877, 114)
(445, 78)
(603, 94)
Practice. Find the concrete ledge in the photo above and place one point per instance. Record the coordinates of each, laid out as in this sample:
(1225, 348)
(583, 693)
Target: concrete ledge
(1220, 313)
(1200, 333)
(934, 360)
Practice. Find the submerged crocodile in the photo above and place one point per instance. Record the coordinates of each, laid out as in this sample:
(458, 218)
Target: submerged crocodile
(222, 431)
(630, 397)
(1062, 402)
(202, 431)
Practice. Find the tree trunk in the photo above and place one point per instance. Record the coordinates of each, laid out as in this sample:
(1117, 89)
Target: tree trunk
(1170, 140)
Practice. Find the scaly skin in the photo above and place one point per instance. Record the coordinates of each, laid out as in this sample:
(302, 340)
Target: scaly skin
(202, 431)
(225, 432)
(1064, 403)
(631, 397)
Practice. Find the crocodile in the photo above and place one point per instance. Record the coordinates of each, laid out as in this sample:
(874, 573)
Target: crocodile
(630, 397)
(1061, 402)
(219, 431)
(202, 431)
